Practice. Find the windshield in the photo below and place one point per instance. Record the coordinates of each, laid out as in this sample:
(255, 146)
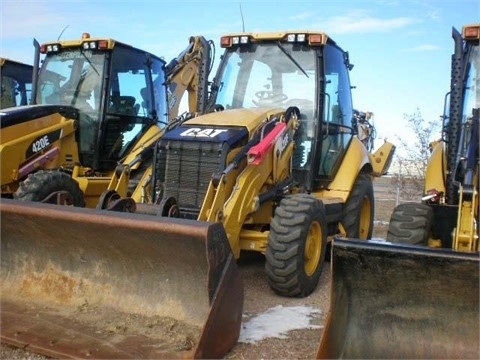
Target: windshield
(119, 93)
(278, 74)
(72, 77)
(269, 75)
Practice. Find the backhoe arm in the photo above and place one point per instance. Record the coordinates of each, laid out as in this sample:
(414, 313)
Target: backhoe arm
(188, 72)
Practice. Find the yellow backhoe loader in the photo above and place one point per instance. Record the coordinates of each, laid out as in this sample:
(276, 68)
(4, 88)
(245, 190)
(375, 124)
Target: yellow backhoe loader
(15, 82)
(417, 294)
(274, 158)
(100, 105)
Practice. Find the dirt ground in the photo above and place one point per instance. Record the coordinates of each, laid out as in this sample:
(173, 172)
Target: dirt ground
(299, 344)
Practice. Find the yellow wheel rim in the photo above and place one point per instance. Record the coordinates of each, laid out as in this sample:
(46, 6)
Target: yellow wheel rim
(313, 248)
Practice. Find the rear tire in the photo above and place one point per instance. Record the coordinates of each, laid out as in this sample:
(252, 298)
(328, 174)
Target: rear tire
(37, 186)
(410, 223)
(359, 209)
(296, 245)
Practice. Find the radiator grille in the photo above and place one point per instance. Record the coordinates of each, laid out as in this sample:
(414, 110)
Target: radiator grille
(185, 170)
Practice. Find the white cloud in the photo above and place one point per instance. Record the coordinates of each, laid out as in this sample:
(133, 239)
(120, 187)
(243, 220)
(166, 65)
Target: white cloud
(424, 47)
(301, 16)
(434, 14)
(359, 21)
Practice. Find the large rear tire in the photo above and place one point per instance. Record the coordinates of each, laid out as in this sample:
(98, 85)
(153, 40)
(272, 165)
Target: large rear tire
(410, 223)
(359, 209)
(39, 185)
(296, 245)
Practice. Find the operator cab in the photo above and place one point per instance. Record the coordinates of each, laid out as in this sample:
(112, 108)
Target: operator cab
(461, 111)
(15, 82)
(305, 70)
(112, 85)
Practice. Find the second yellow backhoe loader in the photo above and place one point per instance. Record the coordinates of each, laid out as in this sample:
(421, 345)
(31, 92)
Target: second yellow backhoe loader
(417, 294)
(94, 101)
(99, 107)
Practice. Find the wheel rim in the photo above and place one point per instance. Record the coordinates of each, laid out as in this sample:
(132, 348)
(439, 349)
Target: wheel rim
(365, 218)
(313, 248)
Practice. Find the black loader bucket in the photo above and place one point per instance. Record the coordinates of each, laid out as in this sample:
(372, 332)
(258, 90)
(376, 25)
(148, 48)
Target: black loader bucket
(82, 283)
(403, 302)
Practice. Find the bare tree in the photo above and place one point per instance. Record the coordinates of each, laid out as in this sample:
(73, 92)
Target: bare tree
(412, 158)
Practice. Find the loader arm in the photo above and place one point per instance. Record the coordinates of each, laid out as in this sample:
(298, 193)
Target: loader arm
(139, 160)
(465, 235)
(267, 165)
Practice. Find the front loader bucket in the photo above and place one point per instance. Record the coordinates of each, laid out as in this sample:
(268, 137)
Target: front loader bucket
(393, 301)
(84, 283)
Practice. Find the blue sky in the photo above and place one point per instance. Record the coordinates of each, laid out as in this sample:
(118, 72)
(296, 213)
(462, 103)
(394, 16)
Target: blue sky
(401, 49)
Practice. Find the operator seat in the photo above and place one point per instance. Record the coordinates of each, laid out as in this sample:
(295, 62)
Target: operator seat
(304, 134)
(117, 125)
(125, 105)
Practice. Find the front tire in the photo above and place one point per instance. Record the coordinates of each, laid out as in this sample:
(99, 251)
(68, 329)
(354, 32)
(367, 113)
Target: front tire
(359, 209)
(296, 245)
(410, 223)
(39, 185)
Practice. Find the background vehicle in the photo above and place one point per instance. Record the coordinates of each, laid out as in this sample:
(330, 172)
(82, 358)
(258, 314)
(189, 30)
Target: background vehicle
(101, 106)
(411, 300)
(448, 215)
(16, 83)
(94, 103)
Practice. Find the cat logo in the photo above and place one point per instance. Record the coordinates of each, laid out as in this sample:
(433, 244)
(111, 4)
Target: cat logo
(197, 132)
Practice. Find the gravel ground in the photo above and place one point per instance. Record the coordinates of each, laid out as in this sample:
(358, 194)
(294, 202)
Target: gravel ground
(9, 352)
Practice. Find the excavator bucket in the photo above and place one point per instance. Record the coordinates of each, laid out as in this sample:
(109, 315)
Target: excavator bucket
(402, 302)
(85, 283)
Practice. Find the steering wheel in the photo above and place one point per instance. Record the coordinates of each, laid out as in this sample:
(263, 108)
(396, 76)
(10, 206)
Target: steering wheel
(269, 97)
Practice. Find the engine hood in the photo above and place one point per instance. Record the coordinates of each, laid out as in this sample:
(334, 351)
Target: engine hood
(230, 126)
(249, 118)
